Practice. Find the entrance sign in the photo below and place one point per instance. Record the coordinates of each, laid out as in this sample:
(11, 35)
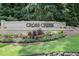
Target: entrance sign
(39, 25)
(21, 26)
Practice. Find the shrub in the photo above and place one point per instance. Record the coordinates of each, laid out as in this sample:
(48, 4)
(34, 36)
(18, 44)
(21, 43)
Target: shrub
(29, 40)
(30, 34)
(8, 40)
(40, 32)
(24, 35)
(35, 34)
(17, 40)
(43, 39)
(8, 35)
(50, 33)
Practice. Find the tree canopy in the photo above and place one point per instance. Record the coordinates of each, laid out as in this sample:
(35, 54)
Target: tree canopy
(61, 12)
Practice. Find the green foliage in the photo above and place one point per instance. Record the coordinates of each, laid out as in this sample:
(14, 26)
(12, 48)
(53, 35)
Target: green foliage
(9, 35)
(45, 38)
(17, 40)
(30, 40)
(7, 38)
(52, 35)
(40, 12)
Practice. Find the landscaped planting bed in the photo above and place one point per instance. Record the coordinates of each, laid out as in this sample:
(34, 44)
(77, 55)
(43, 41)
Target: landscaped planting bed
(30, 38)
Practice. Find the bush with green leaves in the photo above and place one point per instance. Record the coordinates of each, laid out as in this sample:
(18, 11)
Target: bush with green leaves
(8, 40)
(45, 38)
(30, 40)
(8, 35)
(17, 40)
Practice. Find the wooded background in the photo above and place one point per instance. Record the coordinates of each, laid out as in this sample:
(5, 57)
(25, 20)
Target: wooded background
(61, 12)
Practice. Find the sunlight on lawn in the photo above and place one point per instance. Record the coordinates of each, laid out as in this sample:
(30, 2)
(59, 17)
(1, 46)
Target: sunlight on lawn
(65, 44)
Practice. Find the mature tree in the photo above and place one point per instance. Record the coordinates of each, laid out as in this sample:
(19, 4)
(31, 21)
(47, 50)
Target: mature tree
(40, 12)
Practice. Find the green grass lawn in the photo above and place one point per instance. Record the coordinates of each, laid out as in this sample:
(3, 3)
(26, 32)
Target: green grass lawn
(70, 44)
